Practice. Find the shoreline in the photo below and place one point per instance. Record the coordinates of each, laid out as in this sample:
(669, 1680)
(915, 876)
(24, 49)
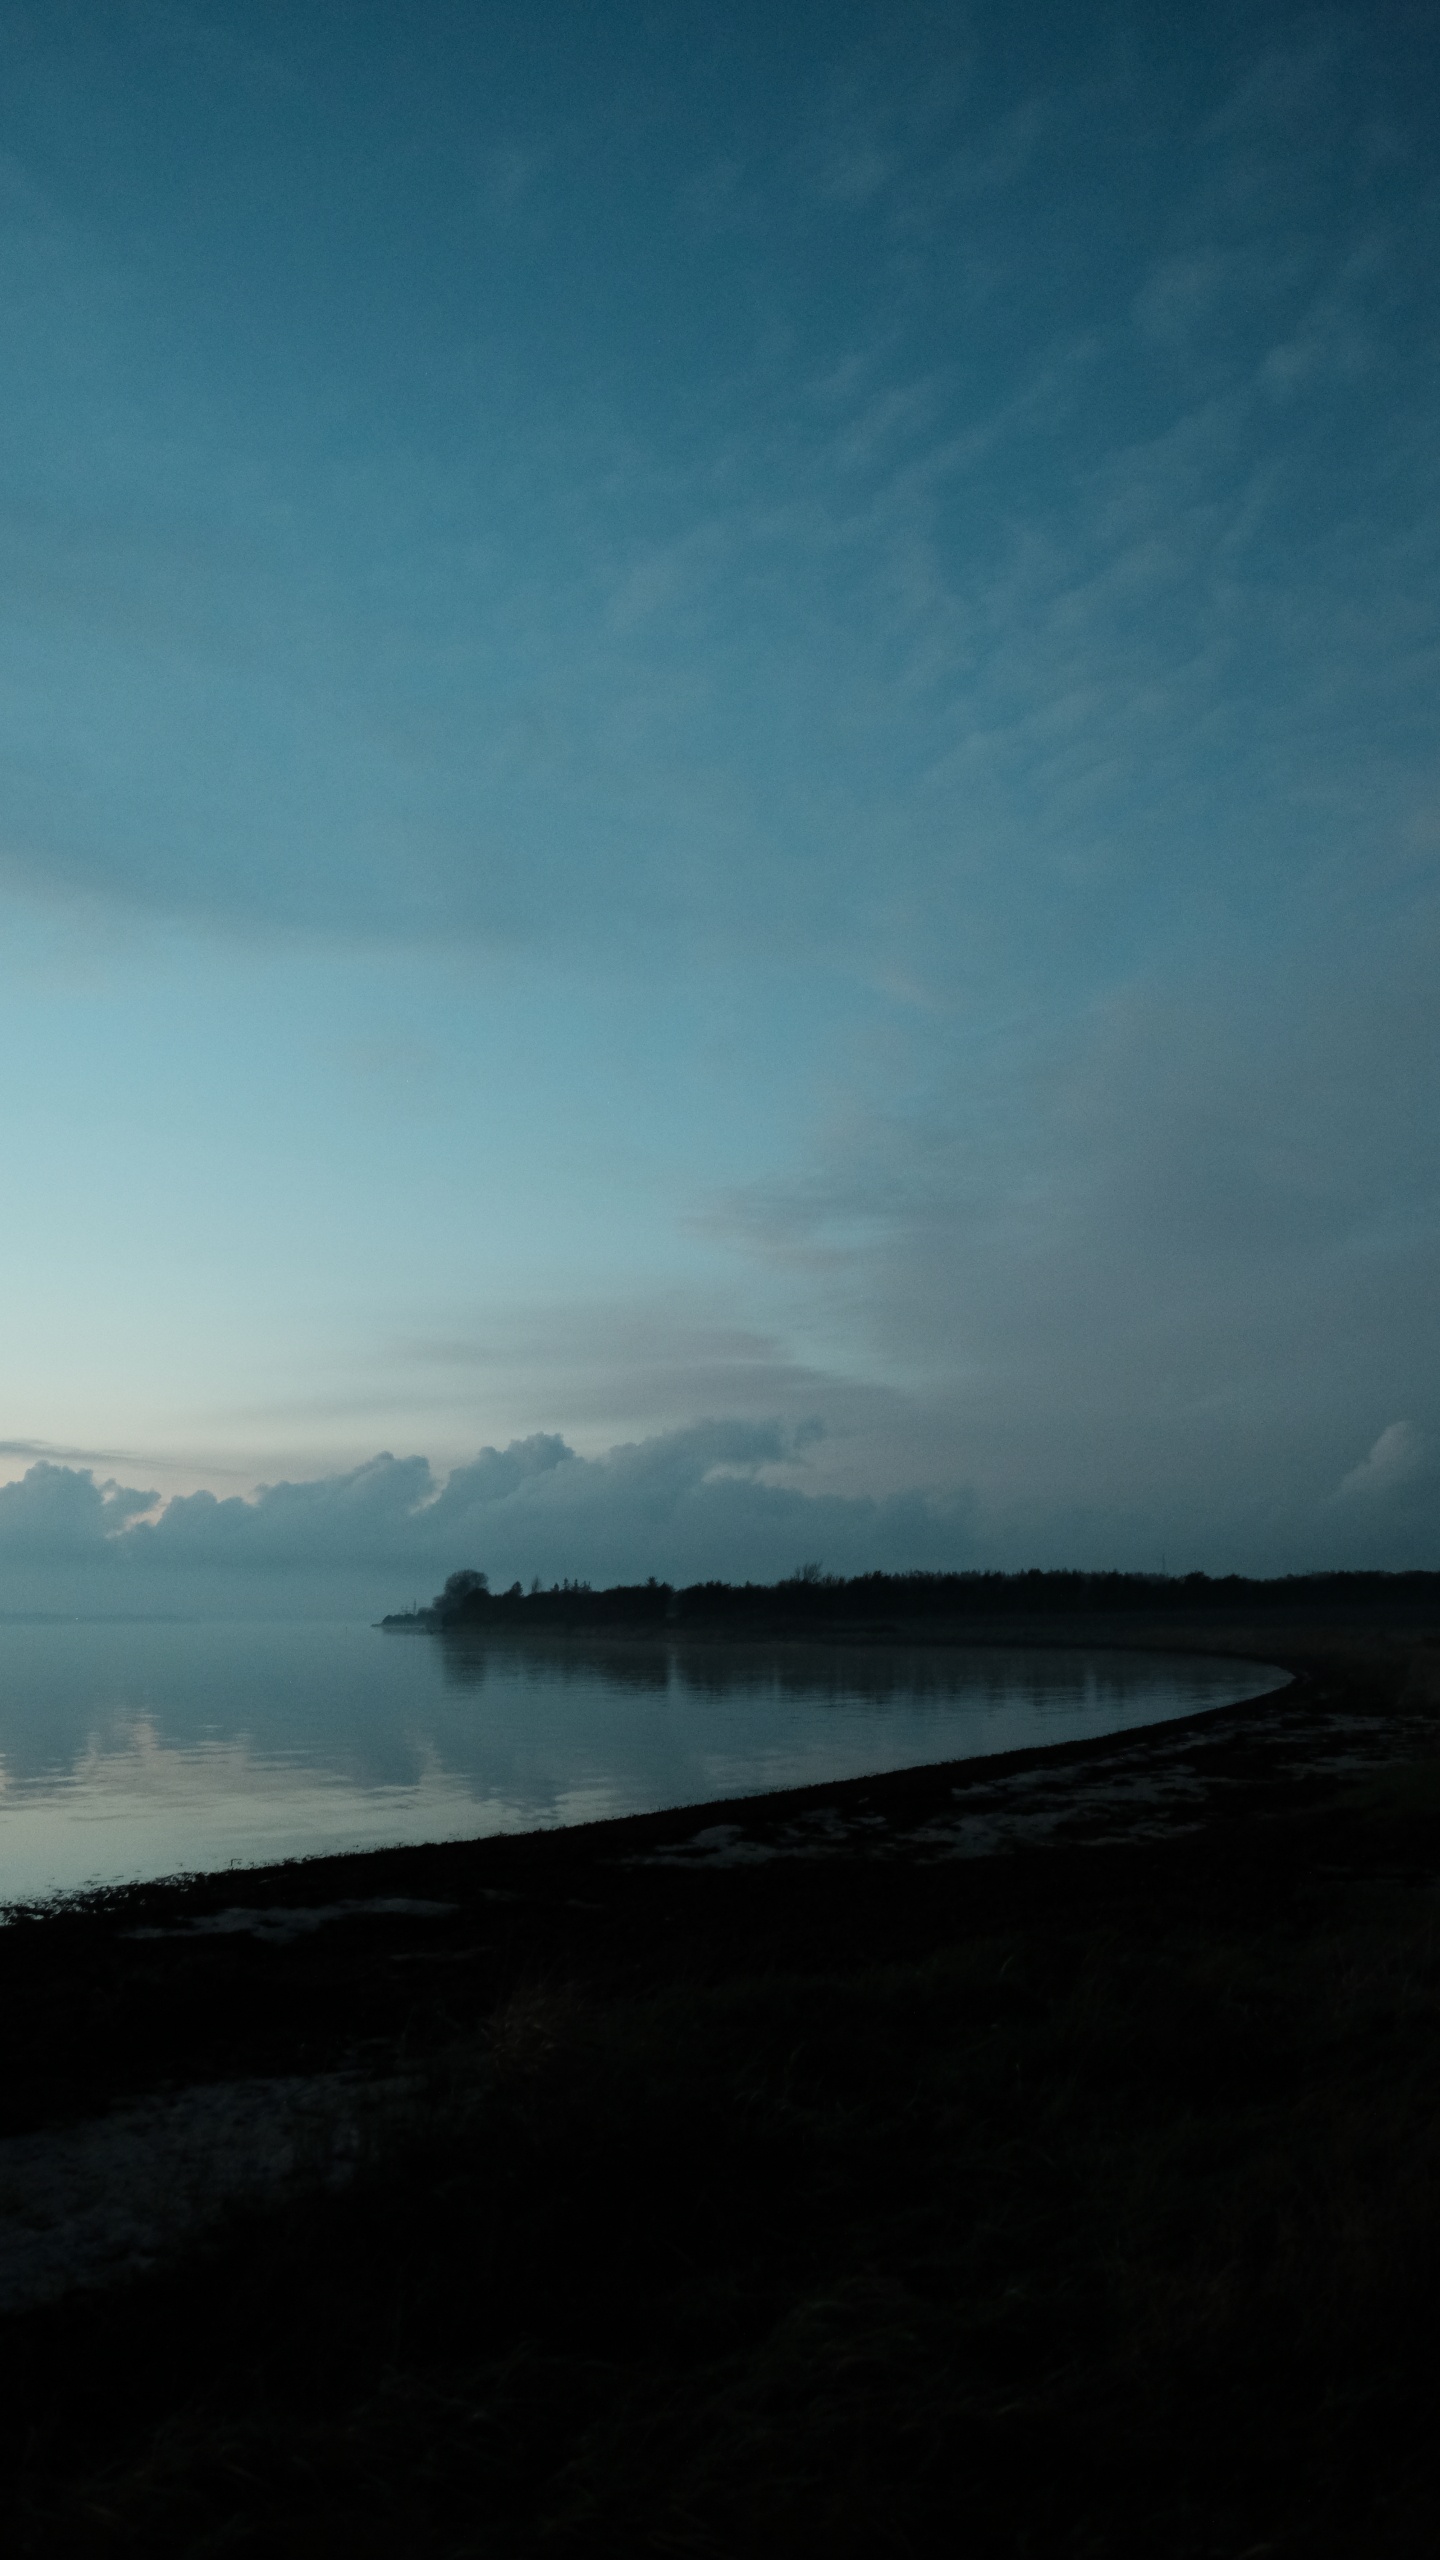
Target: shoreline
(1359, 1700)
(814, 1652)
(1190, 1948)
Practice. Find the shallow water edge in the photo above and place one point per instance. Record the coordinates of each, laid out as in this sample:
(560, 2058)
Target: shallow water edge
(141, 1750)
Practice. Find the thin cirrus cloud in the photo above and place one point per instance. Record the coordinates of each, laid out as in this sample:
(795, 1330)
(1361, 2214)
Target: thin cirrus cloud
(608, 1364)
(48, 1450)
(779, 697)
(1006, 555)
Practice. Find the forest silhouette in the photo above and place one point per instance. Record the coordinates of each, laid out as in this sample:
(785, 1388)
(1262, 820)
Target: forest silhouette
(811, 1598)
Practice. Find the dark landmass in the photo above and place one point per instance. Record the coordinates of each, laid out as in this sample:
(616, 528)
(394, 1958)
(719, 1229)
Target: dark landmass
(1032, 2157)
(812, 1599)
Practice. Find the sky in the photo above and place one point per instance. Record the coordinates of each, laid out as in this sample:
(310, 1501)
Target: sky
(718, 813)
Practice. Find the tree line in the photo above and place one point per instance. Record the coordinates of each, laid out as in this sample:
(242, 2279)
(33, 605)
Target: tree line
(812, 1597)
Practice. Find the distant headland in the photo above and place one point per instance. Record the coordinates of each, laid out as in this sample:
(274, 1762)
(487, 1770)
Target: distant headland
(811, 1599)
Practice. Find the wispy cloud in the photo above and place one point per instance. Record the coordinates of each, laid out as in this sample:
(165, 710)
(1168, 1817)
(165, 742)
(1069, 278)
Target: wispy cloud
(49, 1449)
(1082, 539)
(920, 549)
(1180, 1262)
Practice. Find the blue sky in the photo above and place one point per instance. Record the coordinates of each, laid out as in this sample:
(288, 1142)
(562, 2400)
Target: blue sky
(723, 719)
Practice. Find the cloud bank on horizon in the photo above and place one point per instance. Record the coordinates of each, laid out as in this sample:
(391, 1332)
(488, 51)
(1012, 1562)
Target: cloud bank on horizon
(690, 1505)
(695, 1503)
(720, 716)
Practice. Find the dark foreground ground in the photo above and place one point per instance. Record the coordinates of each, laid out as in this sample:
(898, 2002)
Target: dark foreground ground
(1039, 2158)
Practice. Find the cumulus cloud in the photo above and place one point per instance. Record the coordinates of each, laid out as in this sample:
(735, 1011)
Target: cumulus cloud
(61, 1513)
(1390, 1467)
(684, 1505)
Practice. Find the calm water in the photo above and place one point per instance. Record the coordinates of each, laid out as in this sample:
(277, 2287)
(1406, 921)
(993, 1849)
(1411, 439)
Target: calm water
(145, 1749)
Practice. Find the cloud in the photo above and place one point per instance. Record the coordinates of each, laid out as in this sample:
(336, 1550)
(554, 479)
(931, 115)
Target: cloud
(1391, 1466)
(62, 1514)
(647, 1364)
(685, 1505)
(1165, 1271)
(670, 628)
(51, 1449)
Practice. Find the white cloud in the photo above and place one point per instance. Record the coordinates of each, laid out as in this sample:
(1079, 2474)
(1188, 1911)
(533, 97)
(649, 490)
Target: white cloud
(1391, 1466)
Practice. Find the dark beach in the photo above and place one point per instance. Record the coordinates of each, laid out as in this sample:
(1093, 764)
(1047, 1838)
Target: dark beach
(1035, 2153)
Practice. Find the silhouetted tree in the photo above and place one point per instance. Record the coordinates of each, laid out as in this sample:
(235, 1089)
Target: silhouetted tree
(459, 1587)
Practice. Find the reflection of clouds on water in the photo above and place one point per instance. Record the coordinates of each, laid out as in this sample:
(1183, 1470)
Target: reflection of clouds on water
(142, 1750)
(136, 1761)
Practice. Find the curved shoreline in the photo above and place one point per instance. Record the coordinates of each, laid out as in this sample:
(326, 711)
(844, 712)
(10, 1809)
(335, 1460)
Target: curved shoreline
(1242, 1751)
(74, 1970)
(1026, 2041)
(275, 1750)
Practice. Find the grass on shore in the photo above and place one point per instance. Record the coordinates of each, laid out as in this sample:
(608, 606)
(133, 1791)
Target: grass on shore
(1103, 2222)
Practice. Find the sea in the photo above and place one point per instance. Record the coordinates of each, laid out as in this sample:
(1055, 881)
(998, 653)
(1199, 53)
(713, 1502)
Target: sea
(142, 1748)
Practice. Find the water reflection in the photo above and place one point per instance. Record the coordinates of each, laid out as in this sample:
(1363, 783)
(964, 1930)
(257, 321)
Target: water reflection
(142, 1749)
(1044, 1679)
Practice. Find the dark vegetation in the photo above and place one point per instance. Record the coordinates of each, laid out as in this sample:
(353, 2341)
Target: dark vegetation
(813, 1598)
(1076, 2203)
